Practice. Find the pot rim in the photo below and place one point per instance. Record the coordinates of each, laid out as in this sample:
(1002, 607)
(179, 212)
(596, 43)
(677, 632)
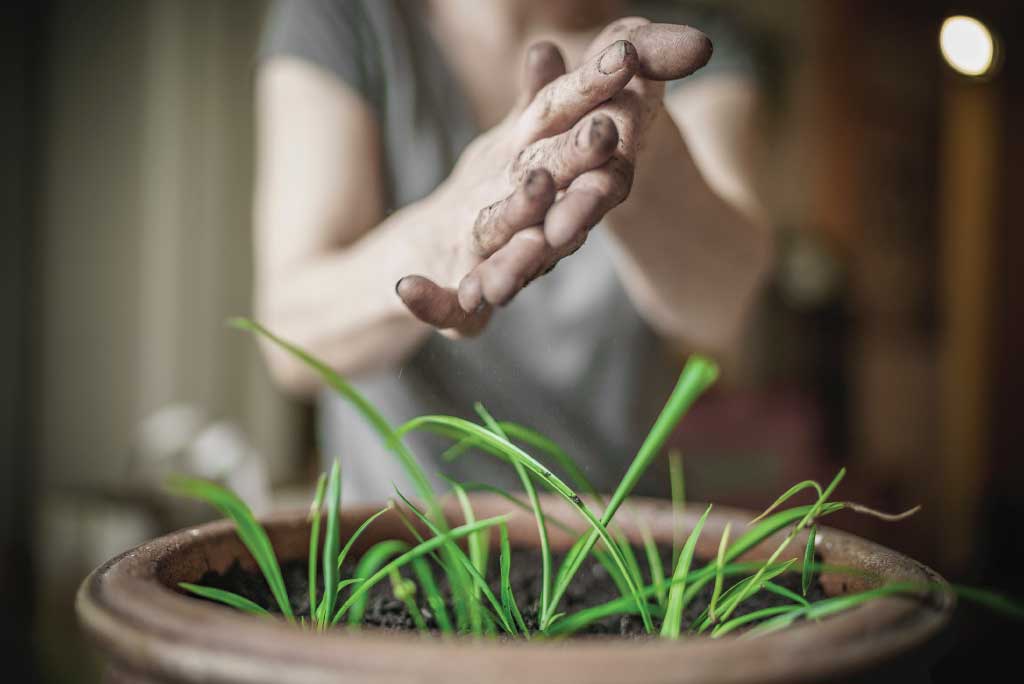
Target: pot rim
(144, 625)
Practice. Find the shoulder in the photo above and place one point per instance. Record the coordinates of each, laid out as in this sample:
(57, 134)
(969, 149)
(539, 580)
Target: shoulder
(340, 36)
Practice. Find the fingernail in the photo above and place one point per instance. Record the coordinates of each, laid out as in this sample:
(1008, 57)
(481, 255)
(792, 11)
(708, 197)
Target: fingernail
(614, 57)
(398, 284)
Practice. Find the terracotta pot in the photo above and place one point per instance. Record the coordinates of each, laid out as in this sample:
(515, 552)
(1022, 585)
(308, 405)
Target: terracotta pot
(151, 633)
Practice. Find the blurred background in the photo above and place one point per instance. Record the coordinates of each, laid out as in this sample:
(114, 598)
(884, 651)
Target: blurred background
(886, 341)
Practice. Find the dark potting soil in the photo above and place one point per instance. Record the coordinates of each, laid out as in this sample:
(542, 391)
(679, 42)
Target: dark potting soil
(592, 586)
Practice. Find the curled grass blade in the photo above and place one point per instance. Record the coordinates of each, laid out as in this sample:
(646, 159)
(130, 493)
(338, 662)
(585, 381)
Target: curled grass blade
(252, 534)
(672, 624)
(314, 543)
(808, 518)
(226, 597)
(415, 552)
(790, 493)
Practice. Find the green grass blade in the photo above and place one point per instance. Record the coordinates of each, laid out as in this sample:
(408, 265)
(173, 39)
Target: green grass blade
(672, 624)
(654, 564)
(792, 491)
(477, 544)
(372, 416)
(698, 374)
(252, 534)
(807, 574)
(226, 597)
(991, 600)
(736, 622)
(432, 594)
(836, 604)
(314, 542)
(785, 592)
(742, 591)
(625, 604)
(355, 535)
(723, 544)
(477, 556)
(538, 514)
(508, 599)
(677, 482)
(532, 438)
(524, 505)
(332, 540)
(415, 552)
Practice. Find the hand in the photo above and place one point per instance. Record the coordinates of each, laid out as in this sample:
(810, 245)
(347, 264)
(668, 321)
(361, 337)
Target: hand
(577, 133)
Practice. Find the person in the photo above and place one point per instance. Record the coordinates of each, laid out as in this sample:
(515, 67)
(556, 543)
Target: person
(416, 189)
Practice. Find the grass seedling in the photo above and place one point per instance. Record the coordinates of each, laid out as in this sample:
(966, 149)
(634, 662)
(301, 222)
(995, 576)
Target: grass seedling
(672, 624)
(476, 609)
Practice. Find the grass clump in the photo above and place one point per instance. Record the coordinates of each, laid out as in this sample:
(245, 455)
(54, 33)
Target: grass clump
(470, 606)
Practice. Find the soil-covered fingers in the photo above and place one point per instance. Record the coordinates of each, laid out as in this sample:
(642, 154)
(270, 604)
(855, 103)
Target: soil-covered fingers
(526, 206)
(588, 145)
(567, 99)
(665, 52)
(439, 306)
(497, 279)
(586, 201)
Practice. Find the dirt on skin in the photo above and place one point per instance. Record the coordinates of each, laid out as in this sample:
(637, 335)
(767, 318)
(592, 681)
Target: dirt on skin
(592, 586)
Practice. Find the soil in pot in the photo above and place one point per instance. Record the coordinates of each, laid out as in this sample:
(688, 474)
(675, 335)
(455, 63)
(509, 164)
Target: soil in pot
(592, 586)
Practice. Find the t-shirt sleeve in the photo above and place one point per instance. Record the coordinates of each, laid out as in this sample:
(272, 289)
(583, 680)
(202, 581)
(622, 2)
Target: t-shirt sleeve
(332, 34)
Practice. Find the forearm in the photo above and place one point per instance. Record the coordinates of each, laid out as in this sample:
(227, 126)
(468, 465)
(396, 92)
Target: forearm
(690, 259)
(340, 304)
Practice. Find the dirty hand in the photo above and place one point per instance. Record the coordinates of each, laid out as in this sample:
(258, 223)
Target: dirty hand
(573, 137)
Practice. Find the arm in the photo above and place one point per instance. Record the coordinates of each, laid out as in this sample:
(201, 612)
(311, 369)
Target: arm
(323, 278)
(693, 247)
(328, 265)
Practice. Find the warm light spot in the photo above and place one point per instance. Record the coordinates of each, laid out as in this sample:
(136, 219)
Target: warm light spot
(967, 45)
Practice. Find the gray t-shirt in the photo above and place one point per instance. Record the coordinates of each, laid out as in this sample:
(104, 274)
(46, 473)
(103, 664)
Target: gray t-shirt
(569, 356)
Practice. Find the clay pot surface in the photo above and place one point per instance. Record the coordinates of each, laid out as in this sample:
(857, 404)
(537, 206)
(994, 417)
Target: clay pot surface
(149, 632)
